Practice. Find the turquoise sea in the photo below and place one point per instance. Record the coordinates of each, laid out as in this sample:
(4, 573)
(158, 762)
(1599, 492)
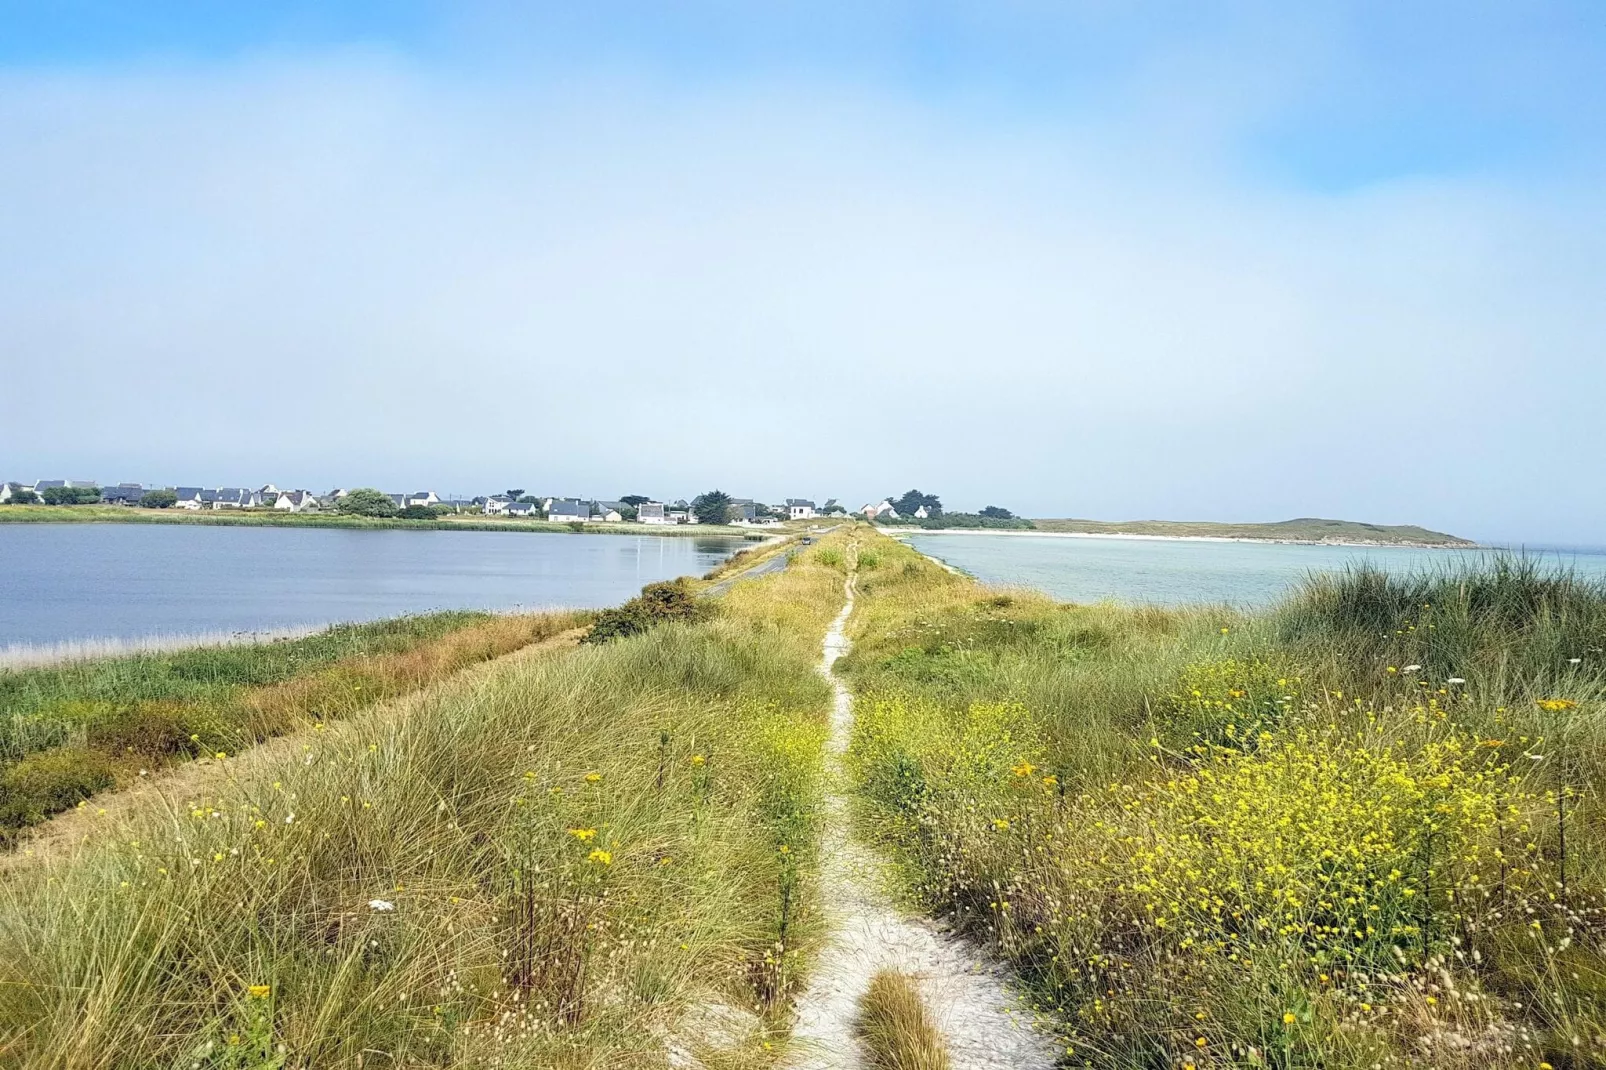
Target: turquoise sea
(1178, 571)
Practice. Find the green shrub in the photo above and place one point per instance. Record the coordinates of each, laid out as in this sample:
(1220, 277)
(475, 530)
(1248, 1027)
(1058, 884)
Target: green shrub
(148, 729)
(366, 501)
(829, 556)
(49, 782)
(158, 499)
(656, 604)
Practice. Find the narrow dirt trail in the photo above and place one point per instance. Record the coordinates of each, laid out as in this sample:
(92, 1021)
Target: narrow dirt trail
(965, 992)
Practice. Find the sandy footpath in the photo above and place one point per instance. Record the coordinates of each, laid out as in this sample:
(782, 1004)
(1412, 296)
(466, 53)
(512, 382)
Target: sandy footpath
(966, 992)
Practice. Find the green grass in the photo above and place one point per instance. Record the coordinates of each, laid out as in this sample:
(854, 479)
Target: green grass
(1305, 529)
(1242, 840)
(69, 731)
(44, 707)
(560, 862)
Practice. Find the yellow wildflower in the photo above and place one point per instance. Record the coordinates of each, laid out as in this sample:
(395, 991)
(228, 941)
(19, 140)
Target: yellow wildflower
(600, 857)
(1556, 705)
(259, 991)
(698, 759)
(583, 835)
(593, 778)
(1288, 1018)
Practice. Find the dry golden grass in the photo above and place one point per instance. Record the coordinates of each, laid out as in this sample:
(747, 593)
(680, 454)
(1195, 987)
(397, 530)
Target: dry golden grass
(897, 1029)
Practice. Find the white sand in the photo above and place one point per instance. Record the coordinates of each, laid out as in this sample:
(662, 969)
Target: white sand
(965, 991)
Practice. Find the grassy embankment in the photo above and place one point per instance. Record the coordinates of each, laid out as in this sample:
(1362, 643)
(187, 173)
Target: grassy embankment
(1359, 831)
(552, 862)
(70, 731)
(1305, 529)
(117, 514)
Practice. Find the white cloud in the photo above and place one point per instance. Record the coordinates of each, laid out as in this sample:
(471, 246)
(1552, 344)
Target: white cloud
(347, 270)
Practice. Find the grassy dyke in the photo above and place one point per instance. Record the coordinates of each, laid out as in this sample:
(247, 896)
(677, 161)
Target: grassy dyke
(70, 731)
(1361, 830)
(564, 860)
(118, 514)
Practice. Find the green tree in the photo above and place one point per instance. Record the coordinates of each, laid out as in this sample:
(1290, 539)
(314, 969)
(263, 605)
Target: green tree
(71, 495)
(913, 499)
(366, 501)
(634, 500)
(158, 499)
(23, 497)
(712, 508)
(997, 512)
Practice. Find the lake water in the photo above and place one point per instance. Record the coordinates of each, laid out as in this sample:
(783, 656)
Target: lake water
(1176, 572)
(62, 582)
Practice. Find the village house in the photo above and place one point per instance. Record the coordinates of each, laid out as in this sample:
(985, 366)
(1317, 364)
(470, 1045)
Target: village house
(422, 497)
(189, 498)
(651, 513)
(233, 498)
(297, 501)
(883, 511)
(799, 509)
(10, 490)
(568, 510)
(524, 509)
(496, 504)
(122, 494)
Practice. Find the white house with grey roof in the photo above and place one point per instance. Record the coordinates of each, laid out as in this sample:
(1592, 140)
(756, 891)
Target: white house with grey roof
(297, 501)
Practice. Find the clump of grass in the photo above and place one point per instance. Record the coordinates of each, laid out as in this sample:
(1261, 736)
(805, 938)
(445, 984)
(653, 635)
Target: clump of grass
(896, 1027)
(1512, 625)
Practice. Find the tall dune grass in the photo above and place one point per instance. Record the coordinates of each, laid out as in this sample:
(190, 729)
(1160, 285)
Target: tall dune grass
(1362, 830)
(547, 864)
(71, 731)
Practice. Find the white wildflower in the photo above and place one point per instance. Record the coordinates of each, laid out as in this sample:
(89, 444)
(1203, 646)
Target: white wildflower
(381, 906)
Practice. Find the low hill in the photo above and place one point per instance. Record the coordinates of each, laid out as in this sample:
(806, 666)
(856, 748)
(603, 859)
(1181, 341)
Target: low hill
(1304, 529)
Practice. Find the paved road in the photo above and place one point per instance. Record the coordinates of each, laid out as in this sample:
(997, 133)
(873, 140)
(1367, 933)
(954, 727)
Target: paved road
(763, 568)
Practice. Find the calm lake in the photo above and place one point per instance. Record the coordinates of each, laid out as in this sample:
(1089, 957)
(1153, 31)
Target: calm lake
(1176, 572)
(77, 581)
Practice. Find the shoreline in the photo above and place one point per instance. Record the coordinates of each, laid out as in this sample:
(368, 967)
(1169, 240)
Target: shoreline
(1358, 543)
(28, 514)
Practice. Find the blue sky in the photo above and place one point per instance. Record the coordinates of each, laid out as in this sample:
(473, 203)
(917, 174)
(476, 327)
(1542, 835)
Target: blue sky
(1183, 260)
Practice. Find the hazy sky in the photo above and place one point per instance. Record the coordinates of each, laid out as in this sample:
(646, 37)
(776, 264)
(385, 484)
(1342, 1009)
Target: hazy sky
(1229, 261)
